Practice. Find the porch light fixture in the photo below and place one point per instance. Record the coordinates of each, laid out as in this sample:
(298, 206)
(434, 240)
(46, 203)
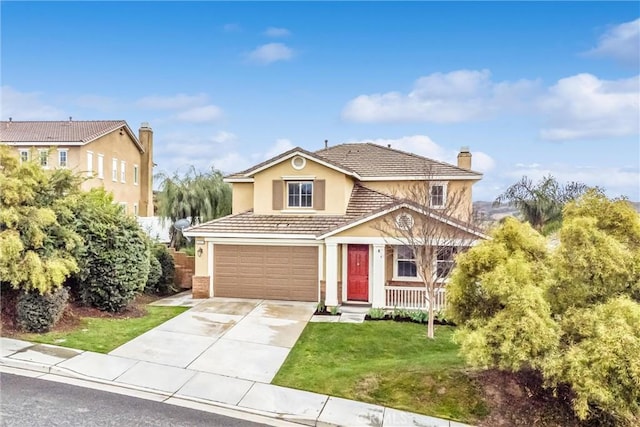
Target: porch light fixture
(199, 252)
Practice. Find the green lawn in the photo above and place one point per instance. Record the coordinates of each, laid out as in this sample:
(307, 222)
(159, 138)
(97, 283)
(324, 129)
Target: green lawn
(102, 334)
(385, 363)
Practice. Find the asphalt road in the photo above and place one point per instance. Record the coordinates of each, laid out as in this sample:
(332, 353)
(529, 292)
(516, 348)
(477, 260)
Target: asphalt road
(32, 402)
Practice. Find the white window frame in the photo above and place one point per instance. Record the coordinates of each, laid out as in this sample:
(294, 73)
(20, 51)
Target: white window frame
(114, 169)
(123, 171)
(136, 174)
(89, 163)
(396, 258)
(436, 262)
(44, 165)
(124, 206)
(135, 209)
(66, 157)
(100, 166)
(299, 183)
(444, 194)
(28, 155)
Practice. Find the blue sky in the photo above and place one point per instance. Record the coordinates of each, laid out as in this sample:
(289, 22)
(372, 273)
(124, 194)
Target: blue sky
(531, 87)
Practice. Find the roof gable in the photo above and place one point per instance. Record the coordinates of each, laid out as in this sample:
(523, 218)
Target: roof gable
(66, 132)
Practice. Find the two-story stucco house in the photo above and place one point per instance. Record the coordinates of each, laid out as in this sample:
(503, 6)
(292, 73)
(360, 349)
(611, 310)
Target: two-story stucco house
(306, 226)
(107, 152)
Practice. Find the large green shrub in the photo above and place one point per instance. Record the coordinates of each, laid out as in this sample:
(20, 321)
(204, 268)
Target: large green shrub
(155, 274)
(114, 265)
(165, 284)
(38, 312)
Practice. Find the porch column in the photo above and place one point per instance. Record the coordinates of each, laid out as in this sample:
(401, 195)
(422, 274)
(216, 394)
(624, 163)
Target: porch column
(331, 298)
(379, 272)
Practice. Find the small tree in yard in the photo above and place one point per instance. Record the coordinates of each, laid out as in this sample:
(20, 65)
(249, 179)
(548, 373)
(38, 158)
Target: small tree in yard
(434, 227)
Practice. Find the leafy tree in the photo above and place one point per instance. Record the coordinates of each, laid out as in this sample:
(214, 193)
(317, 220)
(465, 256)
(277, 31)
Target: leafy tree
(199, 196)
(571, 312)
(114, 265)
(37, 247)
(541, 204)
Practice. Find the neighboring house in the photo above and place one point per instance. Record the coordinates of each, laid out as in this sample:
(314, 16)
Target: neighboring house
(306, 226)
(107, 152)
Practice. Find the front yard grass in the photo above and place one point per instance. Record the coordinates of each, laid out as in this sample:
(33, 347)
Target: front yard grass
(385, 363)
(101, 335)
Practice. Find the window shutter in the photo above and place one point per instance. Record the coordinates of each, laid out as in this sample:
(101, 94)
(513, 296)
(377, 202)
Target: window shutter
(278, 195)
(318, 195)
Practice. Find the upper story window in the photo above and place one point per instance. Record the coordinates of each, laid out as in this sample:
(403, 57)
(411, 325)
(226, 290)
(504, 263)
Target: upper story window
(300, 194)
(135, 174)
(62, 158)
(24, 155)
(437, 195)
(123, 171)
(44, 158)
(101, 166)
(89, 163)
(114, 169)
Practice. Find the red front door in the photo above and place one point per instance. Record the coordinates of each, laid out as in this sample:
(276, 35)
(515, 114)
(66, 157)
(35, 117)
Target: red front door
(358, 273)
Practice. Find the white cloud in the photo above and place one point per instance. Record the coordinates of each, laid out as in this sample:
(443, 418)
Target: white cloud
(457, 96)
(583, 106)
(425, 146)
(203, 114)
(270, 52)
(222, 137)
(616, 181)
(26, 106)
(277, 32)
(172, 102)
(279, 147)
(621, 43)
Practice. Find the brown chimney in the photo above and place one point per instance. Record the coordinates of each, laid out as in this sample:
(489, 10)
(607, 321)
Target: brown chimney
(464, 158)
(145, 134)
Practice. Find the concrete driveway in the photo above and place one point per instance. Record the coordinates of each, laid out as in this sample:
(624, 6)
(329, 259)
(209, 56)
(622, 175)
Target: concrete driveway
(240, 338)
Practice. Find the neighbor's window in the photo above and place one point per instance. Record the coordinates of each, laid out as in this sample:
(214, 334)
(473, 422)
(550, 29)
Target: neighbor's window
(444, 260)
(101, 166)
(135, 209)
(135, 174)
(44, 158)
(24, 155)
(123, 171)
(62, 158)
(114, 169)
(405, 262)
(300, 194)
(437, 195)
(89, 163)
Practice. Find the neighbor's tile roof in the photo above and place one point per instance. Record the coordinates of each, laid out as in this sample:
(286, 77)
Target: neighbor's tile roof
(56, 131)
(363, 202)
(372, 160)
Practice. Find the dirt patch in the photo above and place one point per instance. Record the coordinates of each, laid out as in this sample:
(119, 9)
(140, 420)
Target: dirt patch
(72, 316)
(520, 400)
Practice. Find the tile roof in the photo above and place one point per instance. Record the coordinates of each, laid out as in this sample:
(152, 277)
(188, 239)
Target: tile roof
(363, 201)
(371, 160)
(57, 131)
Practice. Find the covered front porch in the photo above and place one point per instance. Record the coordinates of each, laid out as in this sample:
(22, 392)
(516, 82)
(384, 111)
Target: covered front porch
(372, 272)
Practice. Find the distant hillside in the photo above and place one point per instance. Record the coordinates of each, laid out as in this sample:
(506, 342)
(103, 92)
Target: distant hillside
(487, 212)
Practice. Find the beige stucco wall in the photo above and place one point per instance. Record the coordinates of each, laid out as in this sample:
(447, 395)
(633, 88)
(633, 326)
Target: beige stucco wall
(202, 262)
(242, 197)
(337, 188)
(114, 146)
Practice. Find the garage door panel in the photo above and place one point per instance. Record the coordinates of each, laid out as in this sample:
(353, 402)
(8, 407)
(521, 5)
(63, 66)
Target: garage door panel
(266, 272)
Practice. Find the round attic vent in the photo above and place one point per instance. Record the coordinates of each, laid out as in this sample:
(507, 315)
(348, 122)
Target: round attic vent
(298, 162)
(404, 221)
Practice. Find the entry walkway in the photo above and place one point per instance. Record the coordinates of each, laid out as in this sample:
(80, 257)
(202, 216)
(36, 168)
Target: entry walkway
(221, 352)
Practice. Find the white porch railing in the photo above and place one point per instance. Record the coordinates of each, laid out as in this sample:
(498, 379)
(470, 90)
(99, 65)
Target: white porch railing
(413, 298)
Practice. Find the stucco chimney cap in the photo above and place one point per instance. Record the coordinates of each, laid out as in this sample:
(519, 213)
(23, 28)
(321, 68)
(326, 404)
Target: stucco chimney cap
(464, 149)
(145, 125)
